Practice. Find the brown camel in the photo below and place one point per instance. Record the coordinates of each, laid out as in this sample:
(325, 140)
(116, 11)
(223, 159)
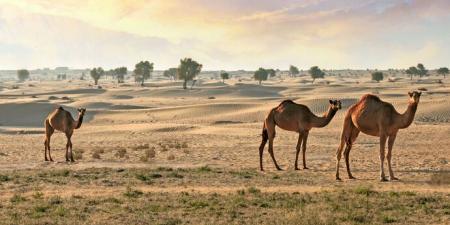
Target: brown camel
(293, 117)
(375, 117)
(61, 120)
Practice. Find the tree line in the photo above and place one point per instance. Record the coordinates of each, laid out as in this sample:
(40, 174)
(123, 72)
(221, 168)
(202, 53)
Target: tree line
(188, 69)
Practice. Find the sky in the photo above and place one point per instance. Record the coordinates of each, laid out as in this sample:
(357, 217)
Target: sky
(225, 34)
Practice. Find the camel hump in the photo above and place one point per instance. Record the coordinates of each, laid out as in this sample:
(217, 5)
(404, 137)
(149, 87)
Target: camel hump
(370, 97)
(287, 102)
(60, 108)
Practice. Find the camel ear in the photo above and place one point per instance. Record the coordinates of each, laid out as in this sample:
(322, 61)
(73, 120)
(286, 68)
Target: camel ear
(420, 93)
(410, 94)
(331, 101)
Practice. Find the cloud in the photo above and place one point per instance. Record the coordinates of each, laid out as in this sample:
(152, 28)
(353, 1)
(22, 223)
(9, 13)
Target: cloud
(229, 34)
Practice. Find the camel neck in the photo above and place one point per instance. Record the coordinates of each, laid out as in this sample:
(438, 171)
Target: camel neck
(408, 116)
(79, 121)
(324, 120)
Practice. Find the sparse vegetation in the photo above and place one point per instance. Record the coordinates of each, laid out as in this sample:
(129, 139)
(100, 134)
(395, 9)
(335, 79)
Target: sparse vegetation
(377, 76)
(293, 71)
(96, 74)
(224, 76)
(143, 71)
(260, 75)
(23, 75)
(443, 71)
(170, 73)
(119, 74)
(315, 73)
(188, 70)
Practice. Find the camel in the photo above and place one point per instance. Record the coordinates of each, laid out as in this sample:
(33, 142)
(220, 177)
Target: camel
(61, 120)
(374, 117)
(295, 117)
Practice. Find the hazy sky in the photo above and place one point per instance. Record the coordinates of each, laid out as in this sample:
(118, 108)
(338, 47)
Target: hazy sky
(225, 34)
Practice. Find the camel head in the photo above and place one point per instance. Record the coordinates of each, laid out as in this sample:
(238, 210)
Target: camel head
(81, 111)
(335, 105)
(414, 96)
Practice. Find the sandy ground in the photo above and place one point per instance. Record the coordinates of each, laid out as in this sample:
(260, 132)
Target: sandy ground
(219, 125)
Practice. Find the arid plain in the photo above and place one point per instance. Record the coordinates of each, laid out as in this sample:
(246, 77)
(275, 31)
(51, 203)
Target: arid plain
(163, 155)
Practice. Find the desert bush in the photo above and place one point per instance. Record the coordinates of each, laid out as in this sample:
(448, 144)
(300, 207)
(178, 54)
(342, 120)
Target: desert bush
(377, 76)
(23, 74)
(260, 75)
(316, 72)
(121, 152)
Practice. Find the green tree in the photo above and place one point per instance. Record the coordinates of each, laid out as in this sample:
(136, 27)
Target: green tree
(443, 71)
(224, 76)
(412, 71)
(316, 72)
(170, 73)
(23, 74)
(96, 73)
(260, 75)
(421, 70)
(272, 72)
(143, 71)
(187, 70)
(293, 71)
(377, 76)
(120, 73)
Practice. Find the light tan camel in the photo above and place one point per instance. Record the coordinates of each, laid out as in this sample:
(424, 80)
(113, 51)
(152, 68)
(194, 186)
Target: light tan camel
(61, 120)
(295, 117)
(375, 117)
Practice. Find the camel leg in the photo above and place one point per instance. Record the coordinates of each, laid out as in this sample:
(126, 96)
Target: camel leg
(68, 145)
(383, 139)
(48, 133)
(348, 148)
(265, 137)
(345, 139)
(47, 140)
(71, 152)
(391, 141)
(270, 127)
(305, 139)
(271, 152)
(299, 145)
(45, 153)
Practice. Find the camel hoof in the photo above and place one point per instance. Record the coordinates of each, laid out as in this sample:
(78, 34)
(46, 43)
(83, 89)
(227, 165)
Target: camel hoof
(338, 179)
(296, 168)
(46, 159)
(351, 177)
(393, 178)
(383, 179)
(305, 168)
(279, 169)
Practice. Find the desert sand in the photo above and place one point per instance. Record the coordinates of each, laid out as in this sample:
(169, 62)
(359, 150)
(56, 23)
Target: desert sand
(218, 125)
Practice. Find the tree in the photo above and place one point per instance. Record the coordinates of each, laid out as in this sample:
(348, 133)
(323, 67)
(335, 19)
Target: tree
(120, 73)
(272, 72)
(412, 71)
(443, 71)
(23, 74)
(316, 72)
(293, 71)
(170, 73)
(421, 70)
(187, 70)
(143, 71)
(224, 76)
(377, 76)
(96, 73)
(260, 75)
